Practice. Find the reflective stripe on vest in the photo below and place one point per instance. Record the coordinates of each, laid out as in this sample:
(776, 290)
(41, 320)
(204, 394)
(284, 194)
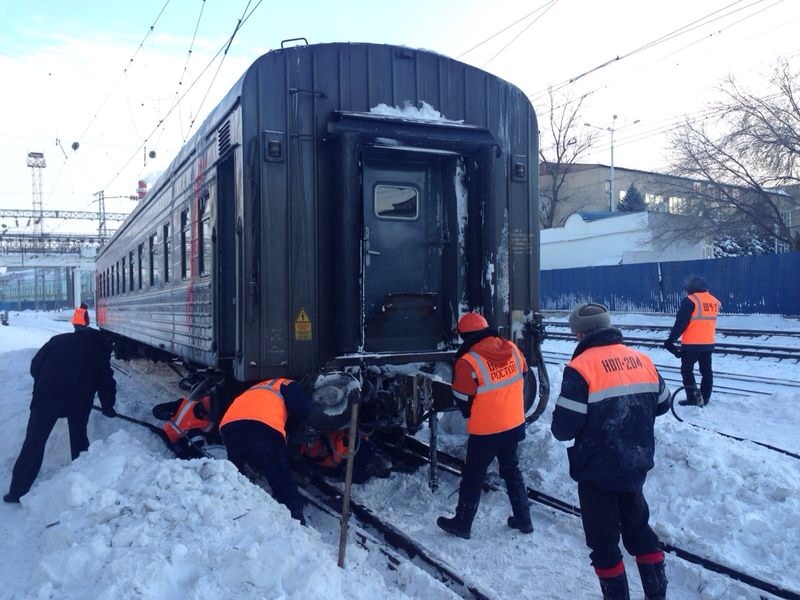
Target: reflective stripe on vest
(498, 403)
(702, 326)
(262, 402)
(613, 371)
(184, 419)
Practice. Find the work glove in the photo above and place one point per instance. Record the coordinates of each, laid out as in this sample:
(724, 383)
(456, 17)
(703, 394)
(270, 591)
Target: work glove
(672, 349)
(109, 412)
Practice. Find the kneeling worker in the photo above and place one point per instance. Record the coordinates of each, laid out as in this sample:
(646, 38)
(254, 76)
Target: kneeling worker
(254, 432)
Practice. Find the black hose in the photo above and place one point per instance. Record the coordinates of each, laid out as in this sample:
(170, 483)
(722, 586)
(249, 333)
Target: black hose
(155, 429)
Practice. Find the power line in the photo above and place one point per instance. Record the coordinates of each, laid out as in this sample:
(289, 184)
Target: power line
(528, 26)
(223, 50)
(494, 35)
(691, 26)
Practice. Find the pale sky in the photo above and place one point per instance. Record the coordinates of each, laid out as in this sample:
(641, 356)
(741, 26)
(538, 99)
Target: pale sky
(94, 72)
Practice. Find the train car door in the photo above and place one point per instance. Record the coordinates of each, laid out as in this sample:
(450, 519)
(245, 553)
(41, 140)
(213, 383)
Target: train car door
(402, 245)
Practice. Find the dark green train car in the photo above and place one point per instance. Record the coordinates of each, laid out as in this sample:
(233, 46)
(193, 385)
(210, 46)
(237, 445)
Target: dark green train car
(337, 212)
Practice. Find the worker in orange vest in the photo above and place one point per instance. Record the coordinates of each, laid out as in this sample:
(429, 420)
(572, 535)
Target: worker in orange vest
(610, 397)
(188, 425)
(488, 388)
(696, 325)
(80, 318)
(254, 432)
(328, 451)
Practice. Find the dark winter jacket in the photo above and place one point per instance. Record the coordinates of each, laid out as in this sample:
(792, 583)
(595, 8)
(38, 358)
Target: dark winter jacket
(69, 369)
(613, 425)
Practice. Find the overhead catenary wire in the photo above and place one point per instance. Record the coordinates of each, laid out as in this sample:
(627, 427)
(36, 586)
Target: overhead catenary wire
(506, 28)
(701, 22)
(516, 37)
(223, 50)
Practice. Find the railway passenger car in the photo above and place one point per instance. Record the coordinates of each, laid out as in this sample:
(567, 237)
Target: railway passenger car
(336, 213)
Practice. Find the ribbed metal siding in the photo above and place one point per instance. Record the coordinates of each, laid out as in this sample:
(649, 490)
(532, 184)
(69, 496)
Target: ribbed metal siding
(745, 285)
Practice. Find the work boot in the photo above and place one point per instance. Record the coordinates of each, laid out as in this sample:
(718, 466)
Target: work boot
(518, 496)
(461, 524)
(693, 398)
(11, 498)
(613, 582)
(523, 526)
(653, 575)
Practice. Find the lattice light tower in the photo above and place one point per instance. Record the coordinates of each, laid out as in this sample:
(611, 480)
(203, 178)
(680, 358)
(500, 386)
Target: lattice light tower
(36, 162)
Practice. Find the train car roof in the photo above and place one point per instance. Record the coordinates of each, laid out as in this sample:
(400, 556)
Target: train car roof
(232, 99)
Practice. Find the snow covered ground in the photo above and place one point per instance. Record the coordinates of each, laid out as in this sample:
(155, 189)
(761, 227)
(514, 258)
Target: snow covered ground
(126, 520)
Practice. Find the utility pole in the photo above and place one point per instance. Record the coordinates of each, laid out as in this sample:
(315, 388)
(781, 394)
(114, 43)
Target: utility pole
(612, 200)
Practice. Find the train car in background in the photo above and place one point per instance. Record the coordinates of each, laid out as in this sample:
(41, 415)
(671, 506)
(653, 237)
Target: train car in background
(334, 215)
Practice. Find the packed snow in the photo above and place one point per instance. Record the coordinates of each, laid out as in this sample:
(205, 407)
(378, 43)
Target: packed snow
(127, 520)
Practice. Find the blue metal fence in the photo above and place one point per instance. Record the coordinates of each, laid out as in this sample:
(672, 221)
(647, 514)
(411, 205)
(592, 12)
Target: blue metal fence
(744, 284)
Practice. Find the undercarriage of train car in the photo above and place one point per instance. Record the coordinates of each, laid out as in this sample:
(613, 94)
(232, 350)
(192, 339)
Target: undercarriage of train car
(387, 397)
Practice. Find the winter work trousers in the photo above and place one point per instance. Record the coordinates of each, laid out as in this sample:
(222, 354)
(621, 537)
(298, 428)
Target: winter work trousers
(688, 359)
(263, 449)
(607, 514)
(481, 451)
(40, 425)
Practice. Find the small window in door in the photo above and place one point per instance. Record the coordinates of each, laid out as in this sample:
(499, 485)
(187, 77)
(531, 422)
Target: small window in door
(396, 202)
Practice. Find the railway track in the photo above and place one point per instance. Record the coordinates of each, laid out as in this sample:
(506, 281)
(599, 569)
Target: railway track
(774, 352)
(376, 535)
(415, 450)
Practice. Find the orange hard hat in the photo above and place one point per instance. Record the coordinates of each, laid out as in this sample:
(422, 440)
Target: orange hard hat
(472, 321)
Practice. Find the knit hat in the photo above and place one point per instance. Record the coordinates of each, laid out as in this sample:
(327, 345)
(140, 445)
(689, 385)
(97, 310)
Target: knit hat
(471, 322)
(588, 317)
(695, 283)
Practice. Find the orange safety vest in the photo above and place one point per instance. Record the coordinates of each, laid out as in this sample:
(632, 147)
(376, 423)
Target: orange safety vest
(262, 402)
(615, 370)
(185, 419)
(703, 324)
(79, 317)
(328, 452)
(498, 402)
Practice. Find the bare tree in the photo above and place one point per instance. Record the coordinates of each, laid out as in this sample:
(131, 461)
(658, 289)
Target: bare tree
(744, 156)
(564, 148)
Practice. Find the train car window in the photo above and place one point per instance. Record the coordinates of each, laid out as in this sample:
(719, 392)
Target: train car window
(205, 253)
(396, 202)
(167, 254)
(130, 271)
(140, 269)
(153, 253)
(113, 280)
(122, 275)
(186, 241)
(204, 233)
